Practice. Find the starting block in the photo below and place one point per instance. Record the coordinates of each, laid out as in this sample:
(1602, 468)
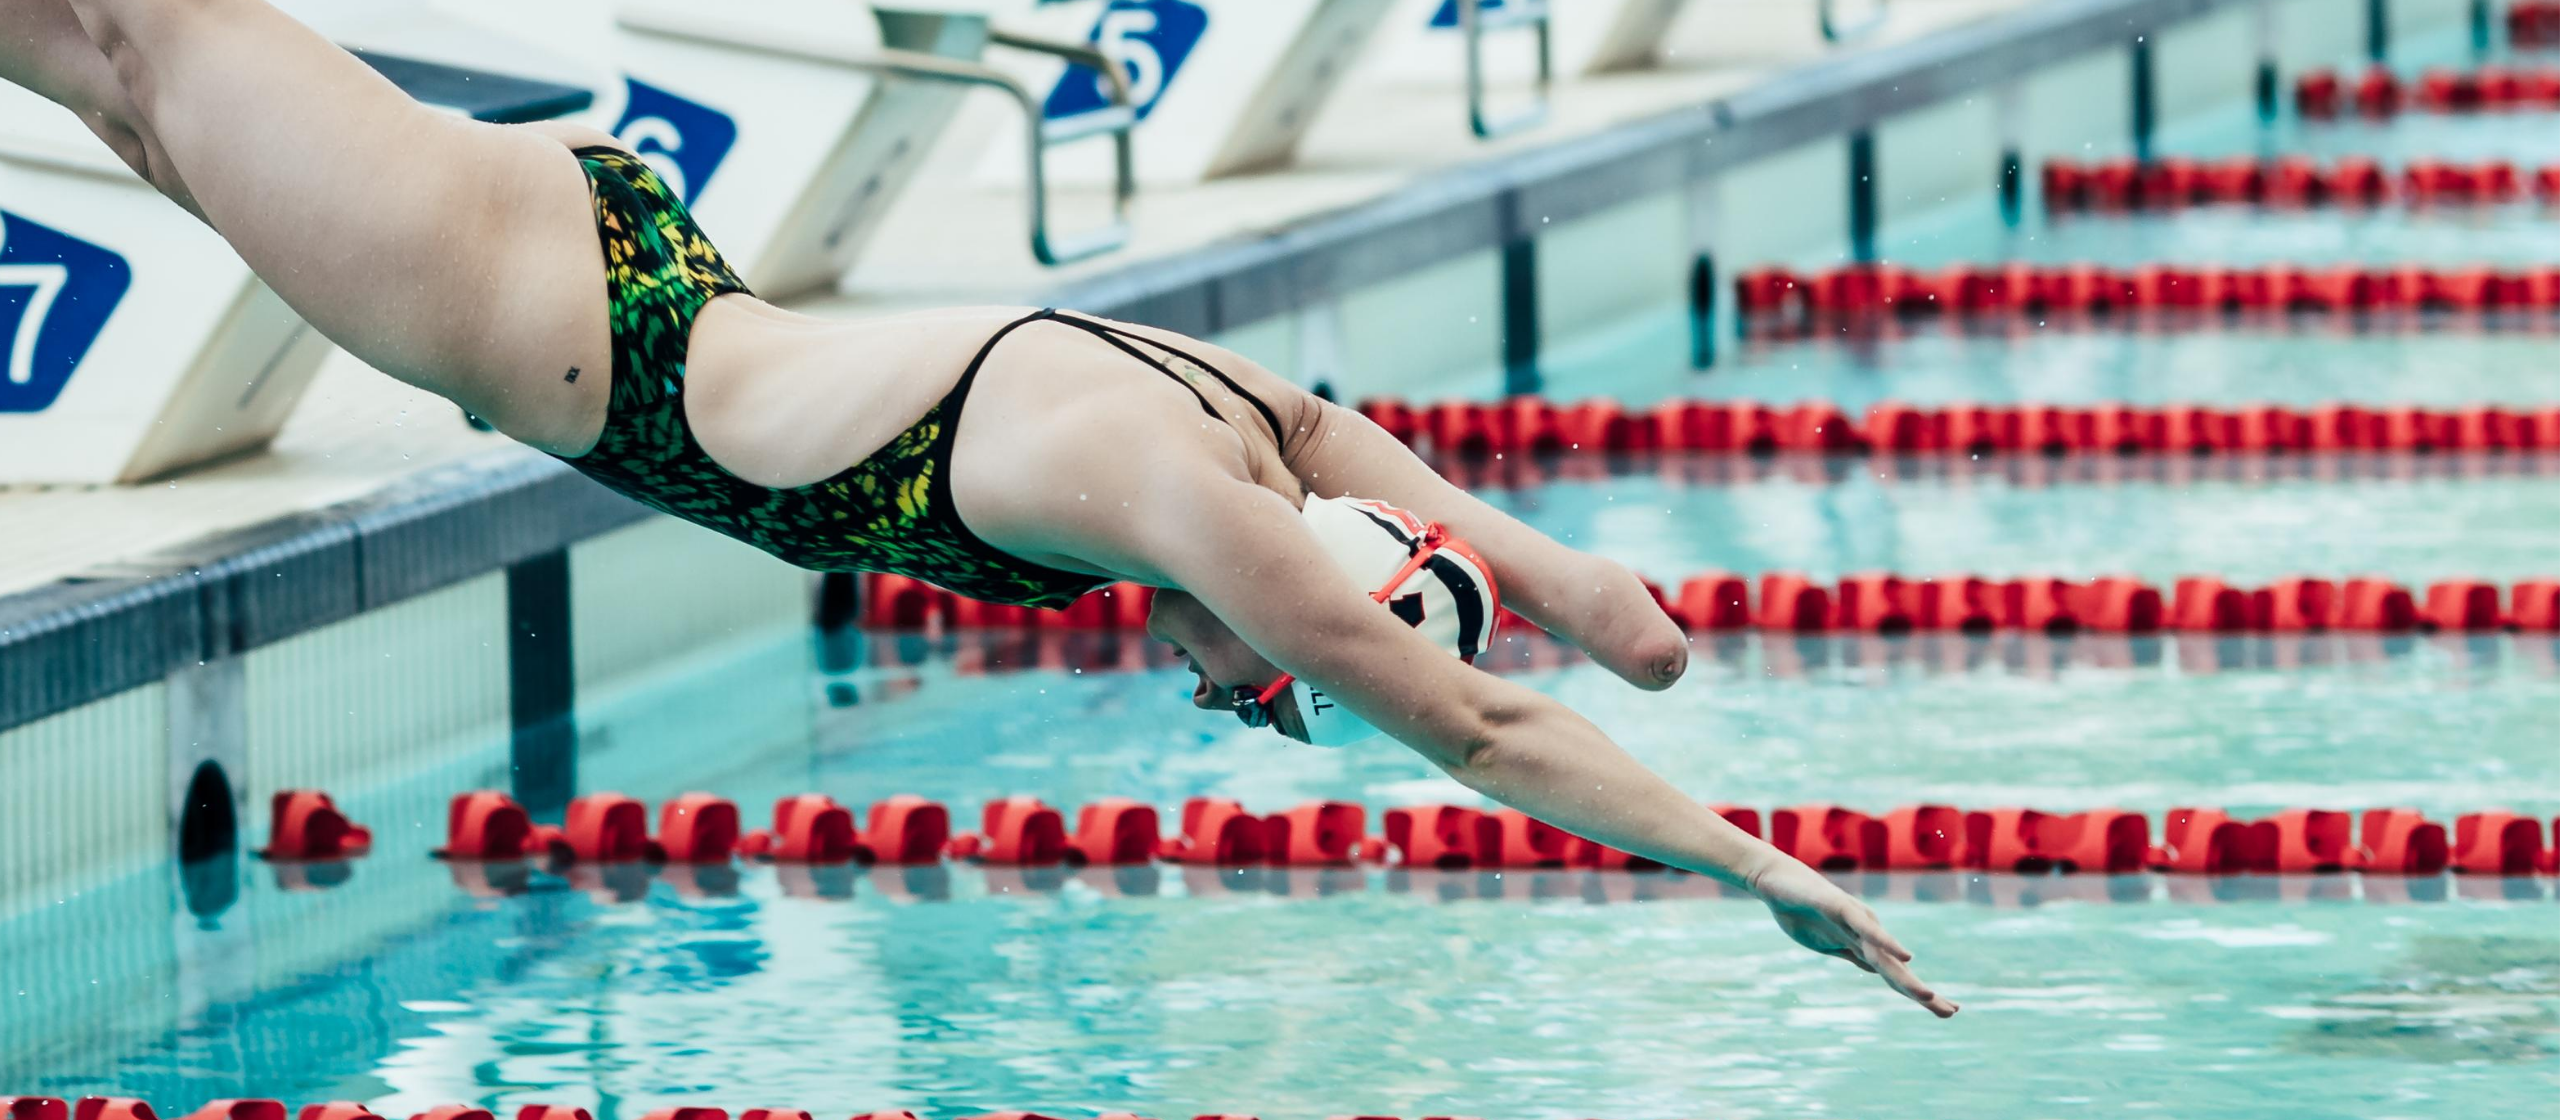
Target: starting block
(133, 341)
(1224, 88)
(1441, 41)
(789, 126)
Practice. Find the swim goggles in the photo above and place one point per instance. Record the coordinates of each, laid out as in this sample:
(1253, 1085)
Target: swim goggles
(1253, 705)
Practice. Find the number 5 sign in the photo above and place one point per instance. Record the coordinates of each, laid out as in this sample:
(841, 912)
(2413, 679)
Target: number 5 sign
(1151, 39)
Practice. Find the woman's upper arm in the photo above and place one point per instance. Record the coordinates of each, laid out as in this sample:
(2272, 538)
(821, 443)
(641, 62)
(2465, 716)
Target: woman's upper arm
(1244, 552)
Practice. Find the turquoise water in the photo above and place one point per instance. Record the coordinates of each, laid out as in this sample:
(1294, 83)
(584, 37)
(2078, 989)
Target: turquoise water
(1173, 993)
(2033, 518)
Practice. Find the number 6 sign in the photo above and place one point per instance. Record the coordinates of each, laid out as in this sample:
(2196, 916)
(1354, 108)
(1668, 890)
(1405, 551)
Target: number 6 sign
(1151, 39)
(1221, 95)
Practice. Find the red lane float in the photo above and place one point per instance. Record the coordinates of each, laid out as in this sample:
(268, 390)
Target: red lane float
(2401, 842)
(808, 828)
(905, 829)
(2497, 843)
(1115, 831)
(1015, 832)
(1316, 834)
(1433, 836)
(249, 1110)
(602, 828)
(696, 828)
(308, 826)
(486, 825)
(1216, 830)
(2533, 23)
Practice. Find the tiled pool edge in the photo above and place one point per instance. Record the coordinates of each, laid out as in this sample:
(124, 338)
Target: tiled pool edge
(77, 642)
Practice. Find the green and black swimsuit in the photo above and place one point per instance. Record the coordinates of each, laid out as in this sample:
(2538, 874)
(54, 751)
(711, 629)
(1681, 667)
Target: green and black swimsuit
(891, 512)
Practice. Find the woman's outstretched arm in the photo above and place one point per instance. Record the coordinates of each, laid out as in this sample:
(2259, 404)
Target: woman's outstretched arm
(1243, 551)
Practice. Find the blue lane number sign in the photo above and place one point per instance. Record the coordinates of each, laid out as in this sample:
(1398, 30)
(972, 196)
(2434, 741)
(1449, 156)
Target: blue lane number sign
(1447, 16)
(684, 141)
(56, 293)
(1150, 39)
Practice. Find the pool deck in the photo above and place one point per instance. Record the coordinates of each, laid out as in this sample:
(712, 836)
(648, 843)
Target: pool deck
(375, 492)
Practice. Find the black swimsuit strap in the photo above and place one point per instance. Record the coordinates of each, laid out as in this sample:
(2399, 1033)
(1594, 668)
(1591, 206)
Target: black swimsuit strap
(1124, 339)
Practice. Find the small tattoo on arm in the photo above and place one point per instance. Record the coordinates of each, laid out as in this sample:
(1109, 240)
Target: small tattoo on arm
(573, 376)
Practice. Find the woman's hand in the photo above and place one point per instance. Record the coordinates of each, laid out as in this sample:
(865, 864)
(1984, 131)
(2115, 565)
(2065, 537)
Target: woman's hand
(1825, 919)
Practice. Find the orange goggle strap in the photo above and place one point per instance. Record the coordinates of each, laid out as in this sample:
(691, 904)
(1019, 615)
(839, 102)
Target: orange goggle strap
(1433, 536)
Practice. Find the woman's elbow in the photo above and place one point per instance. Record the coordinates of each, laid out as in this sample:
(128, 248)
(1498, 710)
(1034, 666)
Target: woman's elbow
(1474, 738)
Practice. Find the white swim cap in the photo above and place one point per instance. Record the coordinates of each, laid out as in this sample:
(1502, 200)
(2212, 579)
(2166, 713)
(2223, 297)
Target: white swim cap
(1451, 598)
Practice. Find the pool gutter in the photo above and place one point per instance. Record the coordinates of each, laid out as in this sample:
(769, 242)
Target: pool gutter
(81, 640)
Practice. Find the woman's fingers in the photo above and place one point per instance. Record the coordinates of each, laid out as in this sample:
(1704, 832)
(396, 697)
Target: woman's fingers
(1903, 980)
(1875, 934)
(1850, 957)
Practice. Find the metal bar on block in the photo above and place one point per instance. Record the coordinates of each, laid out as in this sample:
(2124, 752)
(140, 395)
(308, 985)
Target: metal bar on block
(1477, 20)
(689, 25)
(1833, 31)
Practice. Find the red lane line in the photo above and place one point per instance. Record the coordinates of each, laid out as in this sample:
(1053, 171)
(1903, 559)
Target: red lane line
(1534, 426)
(1779, 300)
(1886, 603)
(699, 830)
(2287, 183)
(2377, 93)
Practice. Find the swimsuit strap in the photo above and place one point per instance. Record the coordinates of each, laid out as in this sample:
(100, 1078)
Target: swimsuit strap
(1123, 339)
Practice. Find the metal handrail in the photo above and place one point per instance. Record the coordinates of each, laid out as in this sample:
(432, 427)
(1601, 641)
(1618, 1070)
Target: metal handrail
(1475, 21)
(685, 24)
(1832, 32)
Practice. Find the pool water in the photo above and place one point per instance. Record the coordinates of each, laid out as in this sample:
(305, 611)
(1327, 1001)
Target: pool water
(1175, 992)
(2258, 522)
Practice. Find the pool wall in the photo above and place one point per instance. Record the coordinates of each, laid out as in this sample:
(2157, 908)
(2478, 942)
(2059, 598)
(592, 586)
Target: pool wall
(449, 625)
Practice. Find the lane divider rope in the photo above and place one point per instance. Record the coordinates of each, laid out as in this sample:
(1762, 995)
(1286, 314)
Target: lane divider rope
(2322, 94)
(1885, 603)
(2290, 182)
(1781, 302)
(1528, 425)
(1024, 831)
(1686, 469)
(1771, 655)
(128, 1108)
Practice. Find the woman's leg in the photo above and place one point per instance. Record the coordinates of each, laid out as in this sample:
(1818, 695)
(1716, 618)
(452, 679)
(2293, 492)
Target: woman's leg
(458, 256)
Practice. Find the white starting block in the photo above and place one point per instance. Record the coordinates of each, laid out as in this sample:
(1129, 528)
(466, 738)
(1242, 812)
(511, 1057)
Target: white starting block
(1591, 36)
(133, 341)
(1224, 88)
(1444, 41)
(789, 126)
